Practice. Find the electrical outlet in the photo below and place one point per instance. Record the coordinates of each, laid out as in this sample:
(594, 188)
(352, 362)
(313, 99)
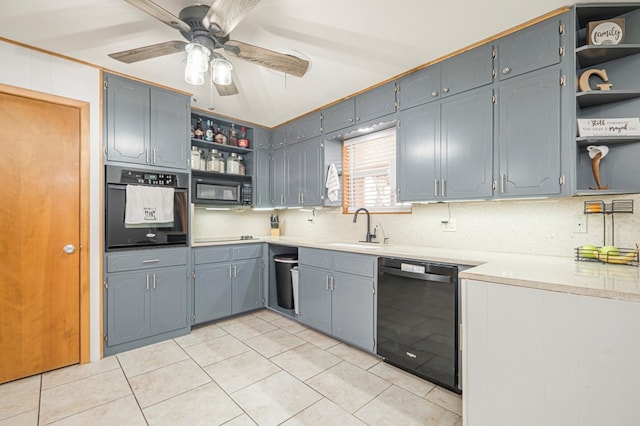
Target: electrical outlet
(449, 225)
(580, 224)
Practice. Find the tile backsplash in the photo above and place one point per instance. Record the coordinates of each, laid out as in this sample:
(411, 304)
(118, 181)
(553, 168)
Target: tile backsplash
(540, 226)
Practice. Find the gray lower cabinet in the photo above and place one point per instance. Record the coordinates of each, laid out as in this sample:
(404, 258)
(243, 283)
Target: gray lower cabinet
(146, 296)
(529, 135)
(227, 281)
(145, 124)
(337, 294)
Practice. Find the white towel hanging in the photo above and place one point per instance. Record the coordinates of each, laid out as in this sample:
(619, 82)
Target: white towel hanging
(333, 183)
(148, 205)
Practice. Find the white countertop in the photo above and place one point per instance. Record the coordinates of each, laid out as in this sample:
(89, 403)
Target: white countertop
(561, 274)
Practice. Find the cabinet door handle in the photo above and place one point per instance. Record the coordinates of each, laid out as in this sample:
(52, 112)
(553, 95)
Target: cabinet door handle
(302, 198)
(442, 187)
(350, 120)
(503, 178)
(235, 271)
(435, 187)
(445, 90)
(154, 281)
(147, 282)
(146, 155)
(151, 261)
(506, 70)
(434, 93)
(281, 199)
(154, 155)
(333, 283)
(230, 276)
(327, 282)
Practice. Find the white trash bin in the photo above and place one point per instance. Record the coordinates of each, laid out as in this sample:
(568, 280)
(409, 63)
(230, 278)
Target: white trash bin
(294, 285)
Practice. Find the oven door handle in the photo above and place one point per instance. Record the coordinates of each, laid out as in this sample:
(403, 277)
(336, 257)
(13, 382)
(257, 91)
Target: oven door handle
(417, 276)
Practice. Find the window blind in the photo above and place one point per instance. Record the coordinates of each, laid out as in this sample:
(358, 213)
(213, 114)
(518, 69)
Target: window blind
(370, 175)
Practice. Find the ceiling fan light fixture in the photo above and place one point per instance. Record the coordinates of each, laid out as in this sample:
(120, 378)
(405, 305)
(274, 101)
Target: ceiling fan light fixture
(193, 76)
(197, 56)
(221, 71)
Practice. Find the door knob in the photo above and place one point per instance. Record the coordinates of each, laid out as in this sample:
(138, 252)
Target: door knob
(69, 249)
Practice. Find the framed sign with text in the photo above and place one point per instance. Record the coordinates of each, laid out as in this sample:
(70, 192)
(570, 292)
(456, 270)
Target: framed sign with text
(606, 33)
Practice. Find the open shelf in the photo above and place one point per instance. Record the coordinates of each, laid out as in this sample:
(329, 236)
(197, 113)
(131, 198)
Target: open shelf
(591, 55)
(220, 147)
(606, 140)
(599, 97)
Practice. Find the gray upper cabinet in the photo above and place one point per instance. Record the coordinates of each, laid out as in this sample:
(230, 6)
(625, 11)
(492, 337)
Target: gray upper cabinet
(529, 136)
(338, 116)
(466, 71)
(145, 124)
(304, 171)
(419, 87)
(466, 146)
(445, 149)
(278, 178)
(418, 135)
(278, 137)
(460, 73)
(376, 103)
(261, 138)
(530, 49)
(262, 179)
(366, 106)
(304, 128)
(127, 120)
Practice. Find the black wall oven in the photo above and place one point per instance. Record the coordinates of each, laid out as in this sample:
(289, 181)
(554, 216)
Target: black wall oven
(118, 236)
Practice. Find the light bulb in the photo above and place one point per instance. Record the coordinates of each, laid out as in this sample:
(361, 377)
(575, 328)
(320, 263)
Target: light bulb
(221, 71)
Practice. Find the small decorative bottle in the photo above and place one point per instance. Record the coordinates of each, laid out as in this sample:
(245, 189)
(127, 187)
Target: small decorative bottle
(208, 135)
(220, 137)
(199, 133)
(233, 136)
(242, 140)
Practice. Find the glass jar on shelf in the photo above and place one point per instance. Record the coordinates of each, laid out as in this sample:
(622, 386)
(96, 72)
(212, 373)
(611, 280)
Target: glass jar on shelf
(242, 166)
(215, 161)
(203, 160)
(195, 158)
(233, 164)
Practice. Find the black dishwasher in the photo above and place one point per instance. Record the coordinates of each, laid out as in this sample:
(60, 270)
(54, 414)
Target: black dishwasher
(418, 319)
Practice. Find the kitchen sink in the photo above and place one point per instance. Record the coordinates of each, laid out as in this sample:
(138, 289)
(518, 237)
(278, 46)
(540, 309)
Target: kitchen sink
(366, 246)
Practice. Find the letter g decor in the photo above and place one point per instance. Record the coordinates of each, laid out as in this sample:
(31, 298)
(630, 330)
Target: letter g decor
(583, 82)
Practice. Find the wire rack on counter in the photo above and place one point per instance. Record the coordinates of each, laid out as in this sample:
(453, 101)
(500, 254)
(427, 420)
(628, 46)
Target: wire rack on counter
(608, 253)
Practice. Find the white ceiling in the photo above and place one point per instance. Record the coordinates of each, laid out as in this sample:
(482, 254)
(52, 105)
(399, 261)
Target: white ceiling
(351, 44)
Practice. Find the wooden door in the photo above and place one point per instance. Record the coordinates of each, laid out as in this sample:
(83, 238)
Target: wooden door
(39, 215)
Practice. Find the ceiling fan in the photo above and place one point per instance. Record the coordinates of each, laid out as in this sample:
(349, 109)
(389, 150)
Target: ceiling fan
(209, 27)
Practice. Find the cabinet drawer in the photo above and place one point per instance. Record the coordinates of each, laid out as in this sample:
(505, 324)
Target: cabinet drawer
(241, 252)
(315, 257)
(128, 261)
(354, 264)
(211, 255)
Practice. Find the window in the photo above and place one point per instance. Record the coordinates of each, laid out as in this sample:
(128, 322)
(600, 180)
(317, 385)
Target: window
(370, 173)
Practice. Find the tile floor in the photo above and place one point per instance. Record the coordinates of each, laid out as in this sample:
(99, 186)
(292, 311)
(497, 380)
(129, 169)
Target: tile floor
(260, 368)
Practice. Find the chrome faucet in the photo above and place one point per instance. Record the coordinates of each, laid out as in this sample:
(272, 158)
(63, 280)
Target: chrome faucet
(370, 236)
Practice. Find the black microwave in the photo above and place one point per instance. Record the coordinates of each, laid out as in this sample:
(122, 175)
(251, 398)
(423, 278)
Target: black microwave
(220, 189)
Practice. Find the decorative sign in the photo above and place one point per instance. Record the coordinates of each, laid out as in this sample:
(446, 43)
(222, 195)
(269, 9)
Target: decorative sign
(609, 126)
(606, 33)
(583, 82)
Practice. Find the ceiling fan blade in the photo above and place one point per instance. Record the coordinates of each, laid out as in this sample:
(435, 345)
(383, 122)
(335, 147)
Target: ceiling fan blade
(282, 62)
(226, 14)
(161, 14)
(227, 90)
(148, 52)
